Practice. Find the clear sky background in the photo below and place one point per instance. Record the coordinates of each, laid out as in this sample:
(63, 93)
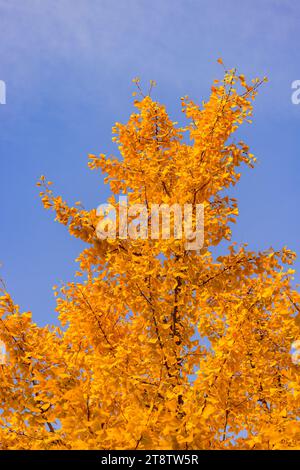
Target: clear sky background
(68, 67)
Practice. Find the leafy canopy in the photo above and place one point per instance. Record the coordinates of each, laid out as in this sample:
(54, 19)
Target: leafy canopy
(161, 348)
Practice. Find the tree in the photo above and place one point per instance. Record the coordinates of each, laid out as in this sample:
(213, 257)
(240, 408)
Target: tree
(161, 347)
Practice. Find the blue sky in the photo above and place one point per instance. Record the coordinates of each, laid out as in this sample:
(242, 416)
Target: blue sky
(68, 67)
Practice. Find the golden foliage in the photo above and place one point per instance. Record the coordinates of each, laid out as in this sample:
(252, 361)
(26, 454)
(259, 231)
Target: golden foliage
(161, 348)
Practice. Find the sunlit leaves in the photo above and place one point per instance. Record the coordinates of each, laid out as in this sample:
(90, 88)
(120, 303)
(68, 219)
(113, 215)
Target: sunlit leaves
(161, 348)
